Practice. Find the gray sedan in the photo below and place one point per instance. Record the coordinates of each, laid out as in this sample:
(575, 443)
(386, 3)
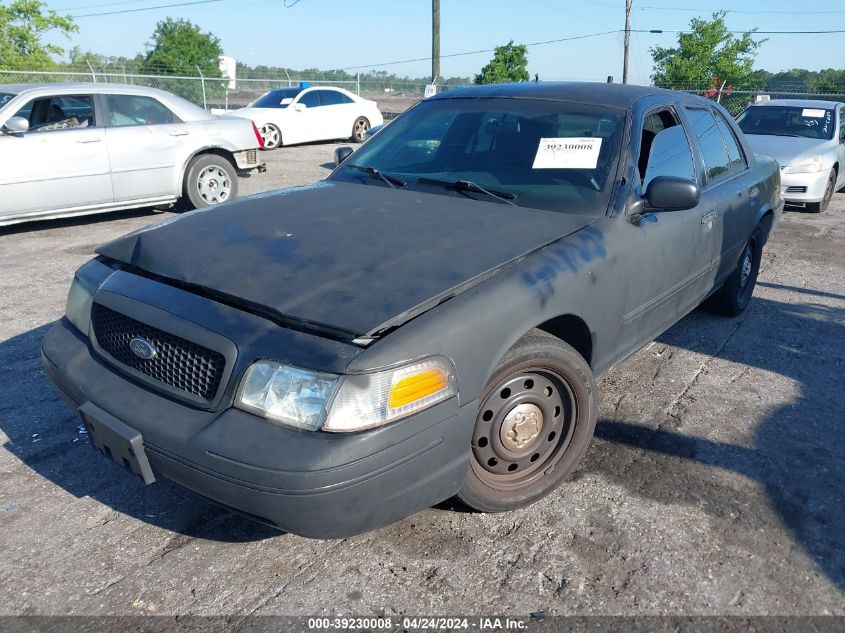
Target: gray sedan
(429, 320)
(807, 138)
(77, 149)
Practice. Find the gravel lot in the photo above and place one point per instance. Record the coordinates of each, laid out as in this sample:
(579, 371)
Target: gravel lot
(715, 485)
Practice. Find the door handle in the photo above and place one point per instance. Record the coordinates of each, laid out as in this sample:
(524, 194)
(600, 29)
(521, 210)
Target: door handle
(754, 191)
(183, 133)
(708, 217)
(95, 139)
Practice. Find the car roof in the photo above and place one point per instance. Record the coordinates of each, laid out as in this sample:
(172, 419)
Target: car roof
(83, 87)
(186, 110)
(799, 103)
(616, 95)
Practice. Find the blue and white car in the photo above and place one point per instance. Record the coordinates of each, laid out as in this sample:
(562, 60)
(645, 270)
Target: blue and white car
(807, 138)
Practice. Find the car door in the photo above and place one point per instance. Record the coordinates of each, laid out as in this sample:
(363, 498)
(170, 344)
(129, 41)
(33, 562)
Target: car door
(306, 119)
(668, 252)
(146, 144)
(840, 181)
(340, 113)
(730, 190)
(61, 163)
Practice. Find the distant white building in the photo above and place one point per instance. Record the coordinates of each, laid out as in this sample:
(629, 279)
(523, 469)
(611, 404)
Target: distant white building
(228, 66)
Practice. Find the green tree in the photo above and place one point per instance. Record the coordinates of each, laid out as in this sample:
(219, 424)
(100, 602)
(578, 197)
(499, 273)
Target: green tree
(708, 54)
(178, 47)
(509, 63)
(23, 24)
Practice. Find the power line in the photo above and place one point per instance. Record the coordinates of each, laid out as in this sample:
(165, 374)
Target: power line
(646, 7)
(581, 37)
(158, 6)
(286, 3)
(485, 50)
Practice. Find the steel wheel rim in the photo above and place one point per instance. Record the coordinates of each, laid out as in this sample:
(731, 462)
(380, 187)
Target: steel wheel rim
(747, 267)
(270, 134)
(512, 463)
(214, 185)
(361, 128)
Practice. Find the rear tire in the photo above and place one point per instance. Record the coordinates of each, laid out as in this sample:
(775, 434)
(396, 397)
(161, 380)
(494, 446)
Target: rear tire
(359, 129)
(819, 207)
(210, 179)
(534, 424)
(735, 294)
(271, 135)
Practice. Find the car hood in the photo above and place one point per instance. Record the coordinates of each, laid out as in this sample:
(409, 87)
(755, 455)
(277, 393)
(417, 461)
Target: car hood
(784, 149)
(353, 259)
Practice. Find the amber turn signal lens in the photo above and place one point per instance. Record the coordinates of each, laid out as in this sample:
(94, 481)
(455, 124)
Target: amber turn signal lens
(412, 388)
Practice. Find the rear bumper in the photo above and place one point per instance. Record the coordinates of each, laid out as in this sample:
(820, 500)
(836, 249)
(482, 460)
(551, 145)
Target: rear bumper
(314, 484)
(248, 159)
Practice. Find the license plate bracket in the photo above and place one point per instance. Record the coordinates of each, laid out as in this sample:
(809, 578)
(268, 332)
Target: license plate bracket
(117, 441)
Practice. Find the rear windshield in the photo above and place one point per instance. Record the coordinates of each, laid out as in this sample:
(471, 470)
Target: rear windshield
(5, 97)
(274, 98)
(542, 154)
(806, 122)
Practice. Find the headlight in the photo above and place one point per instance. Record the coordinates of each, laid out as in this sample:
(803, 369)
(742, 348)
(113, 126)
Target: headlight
(367, 400)
(809, 164)
(78, 309)
(292, 396)
(312, 400)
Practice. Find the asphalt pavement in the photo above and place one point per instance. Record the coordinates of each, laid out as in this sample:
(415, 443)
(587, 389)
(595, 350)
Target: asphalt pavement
(715, 483)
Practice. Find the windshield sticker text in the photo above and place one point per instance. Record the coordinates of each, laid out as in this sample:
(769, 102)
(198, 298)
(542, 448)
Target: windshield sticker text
(567, 153)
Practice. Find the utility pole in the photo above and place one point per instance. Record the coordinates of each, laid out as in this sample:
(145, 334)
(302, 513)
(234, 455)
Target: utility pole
(627, 40)
(435, 40)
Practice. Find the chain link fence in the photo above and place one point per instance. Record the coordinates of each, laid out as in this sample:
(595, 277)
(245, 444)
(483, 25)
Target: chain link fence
(393, 95)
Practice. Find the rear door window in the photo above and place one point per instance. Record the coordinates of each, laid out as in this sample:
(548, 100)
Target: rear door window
(333, 97)
(129, 110)
(734, 151)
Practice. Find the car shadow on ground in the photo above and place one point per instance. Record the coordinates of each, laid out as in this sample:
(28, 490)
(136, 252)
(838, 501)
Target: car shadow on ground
(44, 435)
(797, 450)
(796, 455)
(81, 220)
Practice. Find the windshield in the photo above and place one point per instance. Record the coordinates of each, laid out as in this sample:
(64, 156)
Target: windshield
(787, 121)
(542, 154)
(273, 99)
(5, 97)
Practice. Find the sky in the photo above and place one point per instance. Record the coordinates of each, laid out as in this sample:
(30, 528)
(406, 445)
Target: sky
(369, 34)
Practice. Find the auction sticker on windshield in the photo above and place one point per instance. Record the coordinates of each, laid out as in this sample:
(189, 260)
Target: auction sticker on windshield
(567, 153)
(810, 113)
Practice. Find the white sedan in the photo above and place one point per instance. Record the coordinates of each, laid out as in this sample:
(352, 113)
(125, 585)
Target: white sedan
(287, 116)
(78, 149)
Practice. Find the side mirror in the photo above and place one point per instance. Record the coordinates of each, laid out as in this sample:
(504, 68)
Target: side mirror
(298, 107)
(669, 193)
(341, 154)
(16, 125)
(373, 131)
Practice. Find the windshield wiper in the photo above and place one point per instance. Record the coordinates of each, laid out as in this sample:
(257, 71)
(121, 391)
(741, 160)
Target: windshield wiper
(467, 185)
(392, 181)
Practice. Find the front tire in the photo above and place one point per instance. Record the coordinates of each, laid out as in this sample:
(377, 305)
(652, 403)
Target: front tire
(735, 294)
(271, 135)
(210, 179)
(359, 129)
(534, 424)
(819, 207)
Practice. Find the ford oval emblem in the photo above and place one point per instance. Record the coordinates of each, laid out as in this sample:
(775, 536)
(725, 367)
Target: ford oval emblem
(142, 348)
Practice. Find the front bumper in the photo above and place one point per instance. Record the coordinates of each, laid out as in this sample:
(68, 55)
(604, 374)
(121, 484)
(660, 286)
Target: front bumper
(314, 484)
(803, 188)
